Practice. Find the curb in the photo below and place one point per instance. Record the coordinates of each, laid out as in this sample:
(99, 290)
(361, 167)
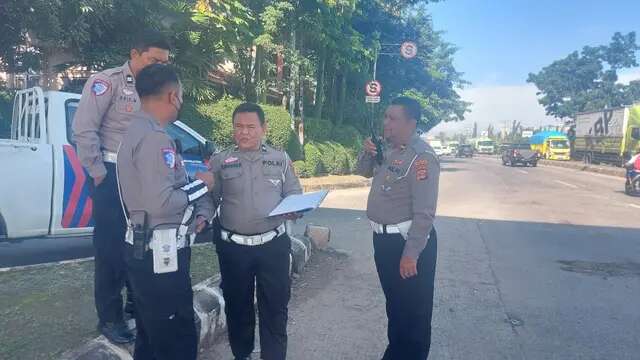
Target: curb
(337, 186)
(606, 170)
(208, 305)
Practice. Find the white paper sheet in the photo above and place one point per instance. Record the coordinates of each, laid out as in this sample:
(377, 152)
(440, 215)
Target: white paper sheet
(299, 203)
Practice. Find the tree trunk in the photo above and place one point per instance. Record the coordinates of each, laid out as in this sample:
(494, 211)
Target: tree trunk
(330, 109)
(292, 81)
(342, 100)
(260, 81)
(245, 60)
(322, 58)
(53, 57)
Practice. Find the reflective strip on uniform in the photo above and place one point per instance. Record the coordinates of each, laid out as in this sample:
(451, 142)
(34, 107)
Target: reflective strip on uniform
(110, 157)
(195, 190)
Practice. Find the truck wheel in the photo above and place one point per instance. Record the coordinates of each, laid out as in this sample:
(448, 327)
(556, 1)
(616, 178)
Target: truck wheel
(534, 164)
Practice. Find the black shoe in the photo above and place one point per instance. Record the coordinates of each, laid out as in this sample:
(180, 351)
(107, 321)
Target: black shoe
(117, 333)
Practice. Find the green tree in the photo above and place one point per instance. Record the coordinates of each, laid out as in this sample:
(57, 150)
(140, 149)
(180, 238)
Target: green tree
(587, 80)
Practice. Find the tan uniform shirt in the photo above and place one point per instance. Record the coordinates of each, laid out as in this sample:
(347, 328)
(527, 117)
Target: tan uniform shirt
(109, 98)
(248, 185)
(152, 176)
(404, 187)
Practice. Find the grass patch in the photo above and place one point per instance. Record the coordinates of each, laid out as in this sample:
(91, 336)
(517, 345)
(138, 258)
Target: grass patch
(47, 311)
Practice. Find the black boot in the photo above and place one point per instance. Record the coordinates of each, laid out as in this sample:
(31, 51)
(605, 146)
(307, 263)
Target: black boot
(117, 333)
(129, 309)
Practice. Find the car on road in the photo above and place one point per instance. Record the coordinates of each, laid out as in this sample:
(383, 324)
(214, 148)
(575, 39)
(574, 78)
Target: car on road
(464, 150)
(46, 193)
(514, 154)
(438, 147)
(453, 147)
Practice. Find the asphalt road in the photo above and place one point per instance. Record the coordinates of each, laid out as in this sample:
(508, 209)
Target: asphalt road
(533, 263)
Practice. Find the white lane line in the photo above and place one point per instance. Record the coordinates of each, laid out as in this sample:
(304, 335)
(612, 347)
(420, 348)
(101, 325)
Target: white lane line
(523, 171)
(634, 206)
(567, 184)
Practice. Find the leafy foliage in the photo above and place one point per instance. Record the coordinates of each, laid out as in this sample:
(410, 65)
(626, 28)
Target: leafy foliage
(587, 80)
(317, 54)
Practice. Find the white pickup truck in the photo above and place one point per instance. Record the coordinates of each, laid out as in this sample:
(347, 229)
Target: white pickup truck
(43, 188)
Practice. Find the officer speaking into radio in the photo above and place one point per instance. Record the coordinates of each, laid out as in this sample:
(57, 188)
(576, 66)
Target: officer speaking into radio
(250, 180)
(401, 208)
(109, 100)
(164, 210)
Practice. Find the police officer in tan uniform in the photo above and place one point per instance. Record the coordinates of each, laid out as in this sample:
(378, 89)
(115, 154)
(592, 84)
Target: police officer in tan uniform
(250, 180)
(164, 210)
(401, 208)
(109, 100)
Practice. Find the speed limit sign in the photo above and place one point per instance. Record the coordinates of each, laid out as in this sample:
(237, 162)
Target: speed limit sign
(408, 50)
(373, 88)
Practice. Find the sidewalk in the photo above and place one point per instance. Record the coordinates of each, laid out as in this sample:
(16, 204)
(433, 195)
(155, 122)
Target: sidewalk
(579, 165)
(334, 182)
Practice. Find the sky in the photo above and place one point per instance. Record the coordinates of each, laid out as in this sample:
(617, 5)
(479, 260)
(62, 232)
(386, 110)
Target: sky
(501, 41)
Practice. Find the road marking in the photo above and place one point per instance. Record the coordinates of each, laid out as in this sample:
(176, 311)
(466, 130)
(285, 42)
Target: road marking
(634, 206)
(567, 184)
(523, 171)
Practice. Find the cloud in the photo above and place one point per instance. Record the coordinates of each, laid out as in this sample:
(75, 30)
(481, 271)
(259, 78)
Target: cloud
(628, 75)
(499, 105)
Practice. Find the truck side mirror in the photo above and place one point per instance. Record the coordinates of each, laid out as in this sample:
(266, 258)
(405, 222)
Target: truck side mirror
(635, 133)
(207, 150)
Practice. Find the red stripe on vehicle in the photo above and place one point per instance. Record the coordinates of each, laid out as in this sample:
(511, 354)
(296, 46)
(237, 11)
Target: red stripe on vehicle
(77, 186)
(86, 213)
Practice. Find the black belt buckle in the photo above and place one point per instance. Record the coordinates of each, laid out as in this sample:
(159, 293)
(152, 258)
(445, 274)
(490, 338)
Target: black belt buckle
(384, 229)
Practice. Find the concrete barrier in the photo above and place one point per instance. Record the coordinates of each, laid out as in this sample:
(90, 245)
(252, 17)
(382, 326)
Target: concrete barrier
(208, 305)
(319, 236)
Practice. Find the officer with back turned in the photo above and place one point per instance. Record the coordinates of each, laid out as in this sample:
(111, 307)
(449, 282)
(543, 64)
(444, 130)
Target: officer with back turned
(109, 100)
(401, 209)
(164, 210)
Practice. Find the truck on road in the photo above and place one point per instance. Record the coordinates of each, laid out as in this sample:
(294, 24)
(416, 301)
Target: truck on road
(608, 136)
(485, 146)
(551, 145)
(43, 187)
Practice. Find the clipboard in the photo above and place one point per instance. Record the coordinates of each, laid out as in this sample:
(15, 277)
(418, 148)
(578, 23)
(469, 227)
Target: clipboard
(299, 203)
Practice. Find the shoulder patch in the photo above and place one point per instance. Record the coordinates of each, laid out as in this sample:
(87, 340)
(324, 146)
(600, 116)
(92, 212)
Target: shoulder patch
(169, 156)
(421, 166)
(100, 87)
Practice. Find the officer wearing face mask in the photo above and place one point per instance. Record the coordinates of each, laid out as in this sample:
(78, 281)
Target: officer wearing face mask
(163, 211)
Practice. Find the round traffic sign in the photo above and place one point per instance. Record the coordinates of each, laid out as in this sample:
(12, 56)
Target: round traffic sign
(408, 49)
(373, 88)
